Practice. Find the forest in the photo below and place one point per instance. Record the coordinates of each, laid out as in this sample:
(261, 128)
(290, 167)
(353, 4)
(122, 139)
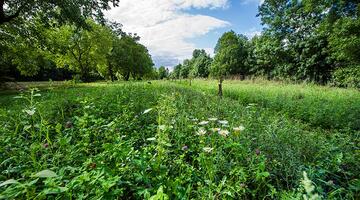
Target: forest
(86, 113)
(307, 41)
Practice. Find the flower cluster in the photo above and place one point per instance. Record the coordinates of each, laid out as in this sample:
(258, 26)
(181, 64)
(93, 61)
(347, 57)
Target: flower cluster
(223, 130)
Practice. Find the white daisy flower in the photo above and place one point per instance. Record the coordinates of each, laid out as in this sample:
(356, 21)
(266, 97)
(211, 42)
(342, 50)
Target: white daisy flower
(215, 129)
(213, 119)
(223, 122)
(239, 129)
(201, 131)
(202, 123)
(224, 133)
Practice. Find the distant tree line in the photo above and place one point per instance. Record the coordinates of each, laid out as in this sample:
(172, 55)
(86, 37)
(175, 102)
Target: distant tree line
(308, 41)
(59, 40)
(312, 41)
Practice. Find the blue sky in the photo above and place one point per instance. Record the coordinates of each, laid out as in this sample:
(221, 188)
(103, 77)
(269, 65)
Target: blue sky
(240, 14)
(172, 29)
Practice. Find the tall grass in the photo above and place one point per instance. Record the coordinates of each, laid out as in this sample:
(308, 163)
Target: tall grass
(319, 106)
(165, 140)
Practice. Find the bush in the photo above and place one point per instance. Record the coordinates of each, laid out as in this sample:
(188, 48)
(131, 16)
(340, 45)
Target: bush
(347, 77)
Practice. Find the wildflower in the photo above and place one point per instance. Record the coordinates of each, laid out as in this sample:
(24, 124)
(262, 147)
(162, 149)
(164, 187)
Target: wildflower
(202, 123)
(216, 129)
(185, 148)
(223, 122)
(213, 119)
(239, 129)
(147, 110)
(201, 131)
(195, 120)
(224, 133)
(208, 149)
(46, 145)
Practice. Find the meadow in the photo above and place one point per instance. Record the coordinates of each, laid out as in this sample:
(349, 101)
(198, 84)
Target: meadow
(169, 140)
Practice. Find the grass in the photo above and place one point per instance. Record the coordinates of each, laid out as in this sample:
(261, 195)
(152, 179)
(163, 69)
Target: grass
(157, 141)
(319, 106)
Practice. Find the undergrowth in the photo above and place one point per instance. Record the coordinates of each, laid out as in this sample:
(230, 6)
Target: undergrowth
(166, 141)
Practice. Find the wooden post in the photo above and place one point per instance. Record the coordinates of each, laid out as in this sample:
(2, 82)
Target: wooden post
(220, 93)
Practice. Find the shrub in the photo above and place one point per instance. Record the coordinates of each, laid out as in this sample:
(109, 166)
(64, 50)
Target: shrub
(347, 77)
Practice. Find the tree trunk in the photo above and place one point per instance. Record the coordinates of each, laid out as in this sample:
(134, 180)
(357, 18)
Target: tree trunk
(111, 73)
(127, 76)
(83, 72)
(220, 93)
(190, 81)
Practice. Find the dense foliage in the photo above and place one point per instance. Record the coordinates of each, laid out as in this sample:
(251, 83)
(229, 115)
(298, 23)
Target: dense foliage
(169, 141)
(62, 11)
(303, 41)
(69, 46)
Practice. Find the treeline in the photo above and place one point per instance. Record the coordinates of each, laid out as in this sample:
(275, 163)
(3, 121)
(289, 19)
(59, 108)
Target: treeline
(304, 41)
(59, 41)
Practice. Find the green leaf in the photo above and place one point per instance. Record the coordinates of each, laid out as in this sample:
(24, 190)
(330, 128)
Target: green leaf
(55, 190)
(8, 182)
(45, 174)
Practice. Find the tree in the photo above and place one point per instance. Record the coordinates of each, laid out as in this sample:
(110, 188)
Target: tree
(143, 63)
(163, 72)
(200, 64)
(130, 58)
(177, 71)
(185, 69)
(19, 49)
(345, 41)
(62, 11)
(303, 29)
(230, 58)
(237, 52)
(81, 50)
(344, 45)
(152, 75)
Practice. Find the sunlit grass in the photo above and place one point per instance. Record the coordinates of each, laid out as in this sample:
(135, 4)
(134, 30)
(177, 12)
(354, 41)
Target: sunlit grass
(136, 140)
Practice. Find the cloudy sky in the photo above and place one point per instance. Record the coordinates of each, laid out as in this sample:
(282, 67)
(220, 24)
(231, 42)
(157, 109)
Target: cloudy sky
(172, 29)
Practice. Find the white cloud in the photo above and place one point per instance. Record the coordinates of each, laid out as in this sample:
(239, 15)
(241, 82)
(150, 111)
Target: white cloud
(252, 32)
(259, 2)
(164, 26)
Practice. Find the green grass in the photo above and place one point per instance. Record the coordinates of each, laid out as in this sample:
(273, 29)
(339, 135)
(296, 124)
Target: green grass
(325, 107)
(94, 141)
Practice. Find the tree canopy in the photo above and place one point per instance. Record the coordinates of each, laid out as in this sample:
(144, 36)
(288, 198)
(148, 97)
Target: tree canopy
(231, 54)
(74, 11)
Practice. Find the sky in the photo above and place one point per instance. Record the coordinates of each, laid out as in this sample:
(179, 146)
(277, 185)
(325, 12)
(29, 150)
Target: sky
(172, 29)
